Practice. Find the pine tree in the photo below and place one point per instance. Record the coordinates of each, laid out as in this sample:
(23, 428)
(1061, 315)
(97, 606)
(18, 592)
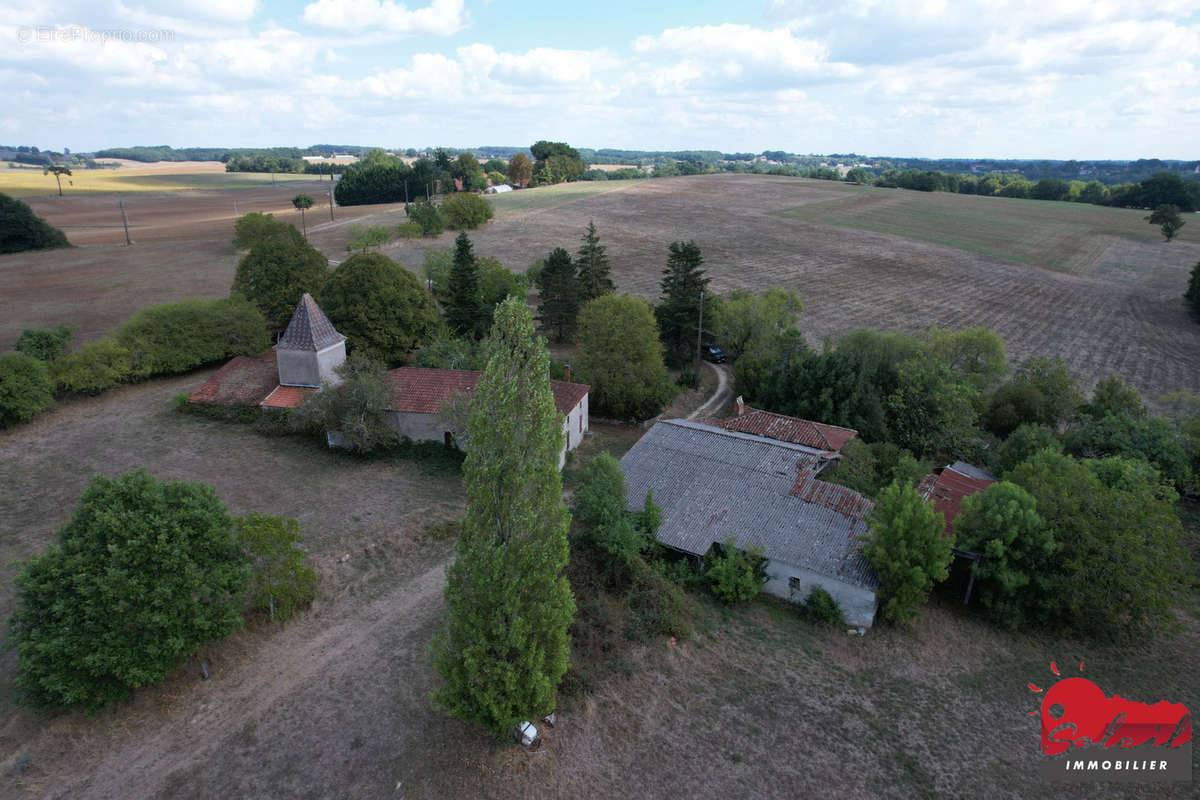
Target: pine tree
(594, 279)
(505, 646)
(678, 313)
(464, 311)
(558, 295)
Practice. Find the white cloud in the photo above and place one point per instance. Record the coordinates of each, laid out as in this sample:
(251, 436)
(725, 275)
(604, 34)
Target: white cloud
(439, 18)
(735, 56)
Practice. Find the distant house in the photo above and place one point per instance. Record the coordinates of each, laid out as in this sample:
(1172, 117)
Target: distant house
(310, 351)
(499, 188)
(713, 482)
(946, 487)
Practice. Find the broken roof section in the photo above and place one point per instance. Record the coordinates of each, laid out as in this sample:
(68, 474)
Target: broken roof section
(946, 487)
(309, 328)
(713, 483)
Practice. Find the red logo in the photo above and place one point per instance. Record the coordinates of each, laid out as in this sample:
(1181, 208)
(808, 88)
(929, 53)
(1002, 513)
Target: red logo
(1111, 737)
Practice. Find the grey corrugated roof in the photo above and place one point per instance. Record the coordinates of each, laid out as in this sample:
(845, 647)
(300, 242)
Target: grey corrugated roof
(971, 471)
(309, 328)
(712, 484)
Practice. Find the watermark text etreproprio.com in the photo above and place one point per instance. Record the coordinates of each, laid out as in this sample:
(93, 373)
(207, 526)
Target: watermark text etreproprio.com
(78, 33)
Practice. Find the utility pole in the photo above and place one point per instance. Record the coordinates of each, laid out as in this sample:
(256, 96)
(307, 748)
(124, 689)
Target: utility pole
(331, 202)
(125, 222)
(699, 335)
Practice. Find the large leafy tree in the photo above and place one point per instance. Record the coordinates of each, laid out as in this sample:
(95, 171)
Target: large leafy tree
(520, 169)
(506, 644)
(21, 229)
(595, 279)
(255, 227)
(556, 162)
(1041, 392)
(908, 550)
(142, 575)
(380, 307)
(558, 295)
(1120, 560)
(621, 358)
(1120, 434)
(679, 310)
(463, 306)
(932, 410)
(276, 272)
(1016, 582)
(741, 318)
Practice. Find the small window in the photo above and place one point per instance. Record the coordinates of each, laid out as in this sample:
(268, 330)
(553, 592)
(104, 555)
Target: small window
(581, 423)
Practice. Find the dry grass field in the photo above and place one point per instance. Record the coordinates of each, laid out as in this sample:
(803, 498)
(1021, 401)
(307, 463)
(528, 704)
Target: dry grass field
(136, 177)
(336, 703)
(1095, 286)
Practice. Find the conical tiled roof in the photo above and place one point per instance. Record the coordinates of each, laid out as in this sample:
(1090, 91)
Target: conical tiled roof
(309, 328)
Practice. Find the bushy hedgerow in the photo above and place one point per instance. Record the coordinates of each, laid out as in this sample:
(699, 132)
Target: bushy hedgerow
(177, 337)
(25, 388)
(100, 365)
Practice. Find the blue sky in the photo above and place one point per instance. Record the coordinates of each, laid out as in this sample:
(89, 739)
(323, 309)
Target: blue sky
(937, 78)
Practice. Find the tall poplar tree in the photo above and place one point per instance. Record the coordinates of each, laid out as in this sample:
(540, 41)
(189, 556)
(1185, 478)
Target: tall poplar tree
(558, 295)
(505, 646)
(463, 307)
(594, 278)
(679, 311)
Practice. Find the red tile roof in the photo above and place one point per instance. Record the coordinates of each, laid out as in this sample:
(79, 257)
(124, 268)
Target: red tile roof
(789, 429)
(309, 328)
(287, 396)
(946, 488)
(424, 391)
(244, 381)
(829, 495)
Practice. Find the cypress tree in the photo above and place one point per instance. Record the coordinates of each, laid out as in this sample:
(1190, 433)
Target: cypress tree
(678, 313)
(594, 279)
(464, 310)
(506, 646)
(558, 295)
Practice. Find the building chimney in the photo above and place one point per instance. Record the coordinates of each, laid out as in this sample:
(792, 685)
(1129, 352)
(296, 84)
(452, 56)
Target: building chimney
(567, 373)
(740, 405)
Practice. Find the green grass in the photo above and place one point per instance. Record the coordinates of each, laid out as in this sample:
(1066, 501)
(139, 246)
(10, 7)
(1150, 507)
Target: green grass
(1066, 237)
(545, 197)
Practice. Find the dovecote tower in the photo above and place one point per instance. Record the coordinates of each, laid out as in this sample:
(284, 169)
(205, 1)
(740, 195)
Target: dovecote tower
(310, 349)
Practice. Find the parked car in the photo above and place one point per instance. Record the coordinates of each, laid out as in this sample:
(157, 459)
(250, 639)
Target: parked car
(713, 353)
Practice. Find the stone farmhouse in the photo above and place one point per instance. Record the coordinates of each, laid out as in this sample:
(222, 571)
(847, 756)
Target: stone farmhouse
(753, 477)
(309, 352)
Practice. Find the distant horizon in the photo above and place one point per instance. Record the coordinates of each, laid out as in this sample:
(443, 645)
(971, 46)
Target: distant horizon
(399, 148)
(1023, 81)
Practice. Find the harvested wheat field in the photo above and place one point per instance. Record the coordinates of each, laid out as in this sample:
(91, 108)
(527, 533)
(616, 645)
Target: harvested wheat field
(137, 177)
(1096, 286)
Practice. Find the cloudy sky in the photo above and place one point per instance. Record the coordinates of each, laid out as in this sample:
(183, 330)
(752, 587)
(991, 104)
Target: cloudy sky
(1006, 78)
